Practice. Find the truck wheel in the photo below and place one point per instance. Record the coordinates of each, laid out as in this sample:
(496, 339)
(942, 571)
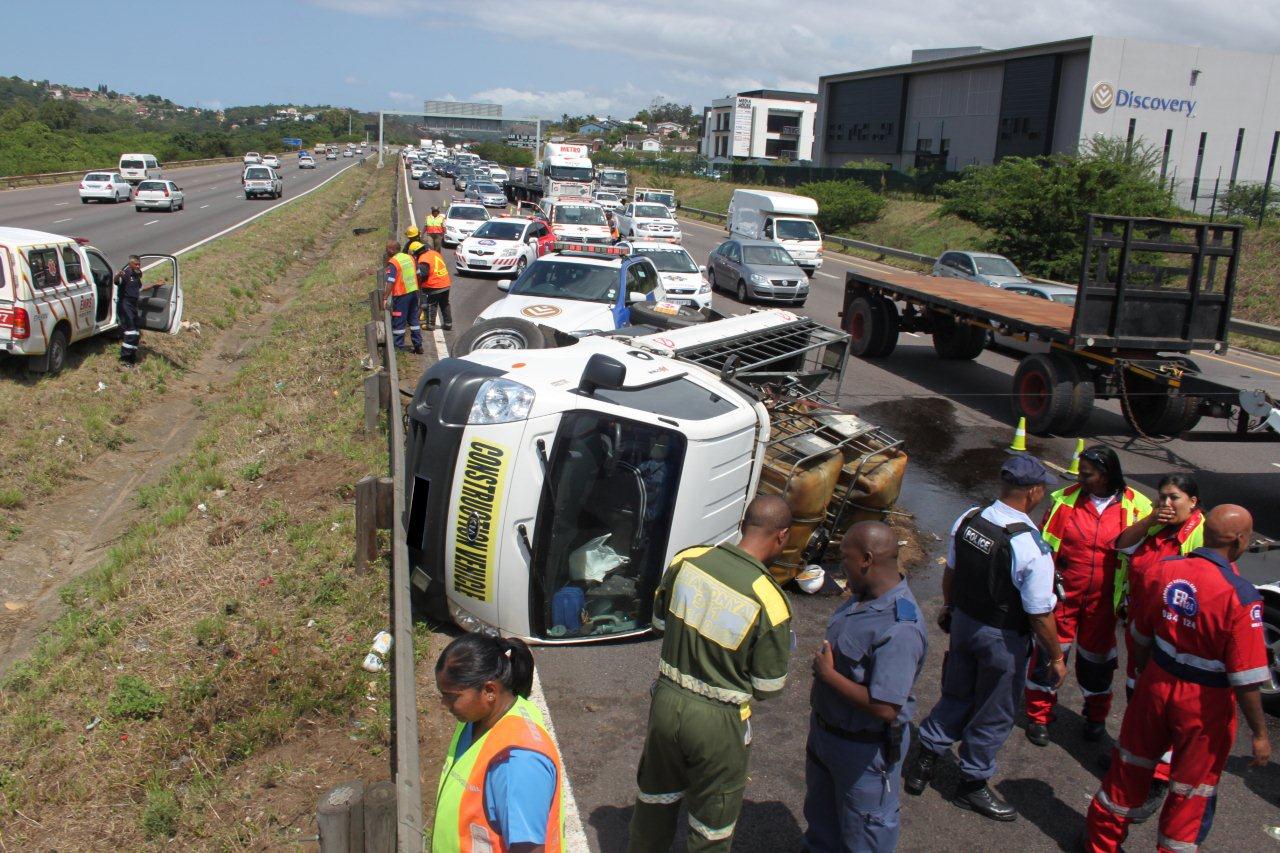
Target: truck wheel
(500, 333)
(1082, 396)
(1042, 393)
(1271, 636)
(873, 327)
(959, 341)
(643, 313)
(1150, 410)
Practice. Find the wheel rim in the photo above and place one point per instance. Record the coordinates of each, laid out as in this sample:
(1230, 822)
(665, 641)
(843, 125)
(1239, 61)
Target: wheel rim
(1033, 394)
(1271, 636)
(520, 265)
(500, 339)
(858, 326)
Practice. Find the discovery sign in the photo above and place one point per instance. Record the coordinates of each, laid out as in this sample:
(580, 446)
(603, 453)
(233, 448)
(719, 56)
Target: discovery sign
(1104, 96)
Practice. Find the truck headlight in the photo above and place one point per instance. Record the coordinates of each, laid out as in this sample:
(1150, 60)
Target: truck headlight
(501, 401)
(758, 279)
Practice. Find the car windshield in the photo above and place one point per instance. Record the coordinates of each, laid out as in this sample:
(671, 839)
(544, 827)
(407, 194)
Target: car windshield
(568, 280)
(131, 164)
(472, 213)
(97, 176)
(492, 189)
(157, 186)
(772, 256)
(995, 265)
(577, 214)
(1064, 298)
(796, 229)
(495, 230)
(257, 174)
(653, 211)
(669, 260)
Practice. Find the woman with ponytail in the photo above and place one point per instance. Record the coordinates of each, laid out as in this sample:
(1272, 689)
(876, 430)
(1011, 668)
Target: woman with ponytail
(501, 784)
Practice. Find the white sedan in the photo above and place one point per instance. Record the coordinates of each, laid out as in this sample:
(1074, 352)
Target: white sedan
(647, 221)
(271, 160)
(104, 186)
(461, 220)
(503, 245)
(682, 279)
(162, 195)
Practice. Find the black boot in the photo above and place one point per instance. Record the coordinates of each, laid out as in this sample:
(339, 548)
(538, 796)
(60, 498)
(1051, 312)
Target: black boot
(1038, 733)
(977, 796)
(1094, 731)
(429, 318)
(920, 774)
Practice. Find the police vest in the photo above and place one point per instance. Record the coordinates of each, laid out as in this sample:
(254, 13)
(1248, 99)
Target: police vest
(434, 224)
(982, 585)
(437, 270)
(406, 275)
(461, 823)
(1133, 505)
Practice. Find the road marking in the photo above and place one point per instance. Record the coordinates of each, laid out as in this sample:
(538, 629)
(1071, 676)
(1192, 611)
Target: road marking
(203, 206)
(56, 221)
(213, 188)
(1238, 364)
(442, 351)
(152, 222)
(575, 835)
(61, 203)
(829, 275)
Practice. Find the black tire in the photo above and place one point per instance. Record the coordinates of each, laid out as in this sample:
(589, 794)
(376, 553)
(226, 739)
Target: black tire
(711, 279)
(84, 201)
(135, 207)
(1082, 397)
(55, 354)
(865, 324)
(742, 295)
(959, 341)
(1150, 410)
(644, 313)
(1271, 636)
(1042, 392)
(501, 333)
(520, 265)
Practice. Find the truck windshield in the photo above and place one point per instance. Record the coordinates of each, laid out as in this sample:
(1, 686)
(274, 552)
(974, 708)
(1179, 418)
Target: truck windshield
(570, 173)
(797, 229)
(568, 280)
(601, 533)
(995, 265)
(613, 179)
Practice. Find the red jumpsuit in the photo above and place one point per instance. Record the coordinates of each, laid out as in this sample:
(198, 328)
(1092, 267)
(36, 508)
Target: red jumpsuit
(1085, 557)
(1204, 628)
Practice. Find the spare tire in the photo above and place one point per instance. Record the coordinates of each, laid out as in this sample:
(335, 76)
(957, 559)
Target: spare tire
(501, 333)
(647, 314)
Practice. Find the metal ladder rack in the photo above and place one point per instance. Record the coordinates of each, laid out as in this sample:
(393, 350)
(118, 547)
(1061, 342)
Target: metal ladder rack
(800, 347)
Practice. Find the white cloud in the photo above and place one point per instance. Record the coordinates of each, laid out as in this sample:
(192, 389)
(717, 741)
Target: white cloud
(543, 103)
(404, 97)
(352, 80)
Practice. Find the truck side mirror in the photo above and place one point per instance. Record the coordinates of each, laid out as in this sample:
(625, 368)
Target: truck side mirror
(602, 371)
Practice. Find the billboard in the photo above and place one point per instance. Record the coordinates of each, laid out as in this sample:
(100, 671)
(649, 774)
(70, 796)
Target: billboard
(743, 112)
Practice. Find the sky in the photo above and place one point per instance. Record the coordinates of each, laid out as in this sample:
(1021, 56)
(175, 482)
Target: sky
(547, 57)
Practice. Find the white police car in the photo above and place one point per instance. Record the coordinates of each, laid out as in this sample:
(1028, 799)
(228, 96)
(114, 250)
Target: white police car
(507, 244)
(462, 219)
(579, 289)
(681, 277)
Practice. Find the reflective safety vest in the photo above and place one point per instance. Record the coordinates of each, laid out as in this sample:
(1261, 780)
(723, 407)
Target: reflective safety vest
(434, 224)
(1188, 537)
(406, 275)
(437, 270)
(1133, 505)
(461, 824)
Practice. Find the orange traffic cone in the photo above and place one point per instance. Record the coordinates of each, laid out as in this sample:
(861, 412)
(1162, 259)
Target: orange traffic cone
(1074, 468)
(1020, 437)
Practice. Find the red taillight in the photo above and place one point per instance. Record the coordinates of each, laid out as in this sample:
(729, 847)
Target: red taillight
(166, 192)
(82, 185)
(17, 320)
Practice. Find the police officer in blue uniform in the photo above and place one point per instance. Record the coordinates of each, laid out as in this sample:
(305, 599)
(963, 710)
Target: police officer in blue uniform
(997, 592)
(862, 701)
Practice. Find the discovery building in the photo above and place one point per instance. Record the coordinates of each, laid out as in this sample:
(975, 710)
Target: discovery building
(1214, 115)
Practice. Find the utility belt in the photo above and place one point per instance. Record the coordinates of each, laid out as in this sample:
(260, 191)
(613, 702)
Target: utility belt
(890, 737)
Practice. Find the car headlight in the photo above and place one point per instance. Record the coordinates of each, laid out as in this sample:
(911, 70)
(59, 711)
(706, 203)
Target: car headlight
(756, 278)
(705, 288)
(501, 401)
(509, 252)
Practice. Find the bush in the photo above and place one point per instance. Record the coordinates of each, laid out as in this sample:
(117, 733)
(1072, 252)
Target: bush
(1244, 201)
(1036, 208)
(161, 813)
(843, 204)
(135, 699)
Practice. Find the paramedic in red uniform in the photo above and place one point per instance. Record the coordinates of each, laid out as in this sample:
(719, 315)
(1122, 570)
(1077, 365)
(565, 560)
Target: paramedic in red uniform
(1081, 527)
(1174, 528)
(1200, 649)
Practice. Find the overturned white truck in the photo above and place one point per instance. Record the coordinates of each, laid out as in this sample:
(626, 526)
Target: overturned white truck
(546, 490)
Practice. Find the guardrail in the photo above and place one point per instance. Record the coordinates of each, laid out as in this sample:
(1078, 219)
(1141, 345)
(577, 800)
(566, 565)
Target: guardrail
(14, 181)
(1237, 327)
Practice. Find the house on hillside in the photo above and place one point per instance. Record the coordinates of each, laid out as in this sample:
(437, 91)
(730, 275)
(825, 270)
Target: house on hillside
(640, 142)
(593, 128)
(77, 95)
(667, 128)
(309, 117)
(682, 147)
(56, 94)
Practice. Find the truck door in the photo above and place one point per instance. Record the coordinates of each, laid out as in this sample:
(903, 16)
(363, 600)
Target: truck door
(161, 303)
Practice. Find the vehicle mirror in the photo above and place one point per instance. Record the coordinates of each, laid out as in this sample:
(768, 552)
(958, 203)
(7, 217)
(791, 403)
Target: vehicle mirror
(602, 371)
(504, 285)
(703, 269)
(635, 296)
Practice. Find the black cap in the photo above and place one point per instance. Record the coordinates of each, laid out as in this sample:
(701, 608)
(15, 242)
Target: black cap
(1023, 469)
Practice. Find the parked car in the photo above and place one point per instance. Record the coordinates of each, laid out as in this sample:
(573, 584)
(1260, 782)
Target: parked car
(982, 267)
(608, 200)
(488, 194)
(461, 220)
(681, 277)
(104, 186)
(757, 269)
(260, 181)
(271, 160)
(1062, 293)
(417, 169)
(428, 181)
(162, 195)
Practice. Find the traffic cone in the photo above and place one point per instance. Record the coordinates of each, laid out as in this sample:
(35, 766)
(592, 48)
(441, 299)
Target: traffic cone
(1074, 468)
(1020, 437)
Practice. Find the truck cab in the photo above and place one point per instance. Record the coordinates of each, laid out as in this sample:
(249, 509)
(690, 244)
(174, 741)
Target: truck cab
(784, 218)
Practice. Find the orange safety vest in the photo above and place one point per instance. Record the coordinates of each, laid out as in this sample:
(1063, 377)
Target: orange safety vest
(434, 224)
(438, 271)
(406, 276)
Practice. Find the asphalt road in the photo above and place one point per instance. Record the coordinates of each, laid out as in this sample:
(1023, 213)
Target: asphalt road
(214, 201)
(955, 417)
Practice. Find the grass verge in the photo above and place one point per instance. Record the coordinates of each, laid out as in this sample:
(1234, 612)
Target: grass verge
(205, 678)
(57, 425)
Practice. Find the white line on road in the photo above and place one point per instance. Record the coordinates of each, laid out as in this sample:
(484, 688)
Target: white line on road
(61, 203)
(152, 222)
(213, 188)
(442, 351)
(203, 206)
(575, 835)
(829, 275)
(56, 221)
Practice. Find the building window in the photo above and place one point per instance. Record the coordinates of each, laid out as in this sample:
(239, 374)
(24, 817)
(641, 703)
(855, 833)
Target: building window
(780, 148)
(924, 144)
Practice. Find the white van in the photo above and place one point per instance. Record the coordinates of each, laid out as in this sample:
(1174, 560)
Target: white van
(783, 218)
(57, 290)
(139, 167)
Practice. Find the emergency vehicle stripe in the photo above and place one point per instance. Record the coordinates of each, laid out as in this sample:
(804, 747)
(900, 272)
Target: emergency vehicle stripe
(1136, 760)
(1185, 790)
(709, 833)
(1087, 693)
(1257, 675)
(1043, 688)
(660, 799)
(1164, 842)
(1095, 657)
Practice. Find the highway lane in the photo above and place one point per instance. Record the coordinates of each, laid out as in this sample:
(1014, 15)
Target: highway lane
(214, 201)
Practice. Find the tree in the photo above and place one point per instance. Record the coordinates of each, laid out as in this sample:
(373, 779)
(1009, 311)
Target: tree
(60, 115)
(20, 113)
(1244, 201)
(1036, 208)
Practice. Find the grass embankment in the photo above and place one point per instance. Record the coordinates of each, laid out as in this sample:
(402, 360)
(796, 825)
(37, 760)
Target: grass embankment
(205, 679)
(57, 425)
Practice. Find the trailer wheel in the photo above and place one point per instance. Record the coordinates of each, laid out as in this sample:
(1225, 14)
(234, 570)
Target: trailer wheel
(959, 341)
(500, 333)
(1042, 392)
(1082, 397)
(1151, 411)
(873, 327)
